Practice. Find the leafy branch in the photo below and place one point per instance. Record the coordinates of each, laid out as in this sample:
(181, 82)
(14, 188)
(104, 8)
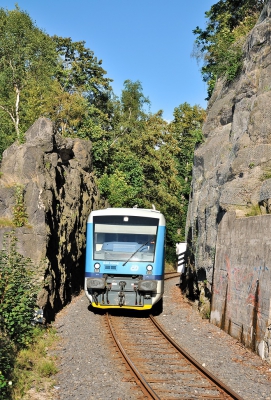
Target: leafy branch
(19, 210)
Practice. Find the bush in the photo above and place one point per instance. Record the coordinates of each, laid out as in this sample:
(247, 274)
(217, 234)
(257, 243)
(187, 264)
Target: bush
(18, 293)
(19, 210)
(7, 360)
(220, 44)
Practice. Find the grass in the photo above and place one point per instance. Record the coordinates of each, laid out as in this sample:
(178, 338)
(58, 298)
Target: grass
(266, 175)
(254, 211)
(6, 222)
(170, 267)
(35, 367)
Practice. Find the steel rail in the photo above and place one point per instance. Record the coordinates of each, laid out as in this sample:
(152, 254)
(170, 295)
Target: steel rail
(140, 380)
(171, 275)
(147, 389)
(143, 384)
(203, 370)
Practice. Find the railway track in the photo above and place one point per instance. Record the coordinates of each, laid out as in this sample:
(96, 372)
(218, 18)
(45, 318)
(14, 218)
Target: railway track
(170, 275)
(162, 369)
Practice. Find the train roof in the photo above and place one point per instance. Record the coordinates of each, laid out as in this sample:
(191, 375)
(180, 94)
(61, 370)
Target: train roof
(140, 212)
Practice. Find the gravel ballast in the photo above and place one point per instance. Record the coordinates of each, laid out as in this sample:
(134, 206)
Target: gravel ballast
(90, 368)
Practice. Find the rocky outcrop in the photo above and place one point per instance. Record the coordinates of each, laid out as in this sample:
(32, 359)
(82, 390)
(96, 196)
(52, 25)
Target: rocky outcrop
(232, 175)
(55, 175)
(232, 168)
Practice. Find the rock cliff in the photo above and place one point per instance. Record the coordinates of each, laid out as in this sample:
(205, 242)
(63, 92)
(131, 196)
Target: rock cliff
(58, 186)
(232, 168)
(232, 176)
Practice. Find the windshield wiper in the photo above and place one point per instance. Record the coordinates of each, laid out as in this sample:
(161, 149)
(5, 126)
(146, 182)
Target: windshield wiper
(136, 251)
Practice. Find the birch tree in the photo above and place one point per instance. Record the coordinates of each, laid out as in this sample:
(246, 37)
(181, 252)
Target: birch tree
(27, 57)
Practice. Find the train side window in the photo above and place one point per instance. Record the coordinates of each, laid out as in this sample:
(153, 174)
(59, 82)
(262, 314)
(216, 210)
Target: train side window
(99, 239)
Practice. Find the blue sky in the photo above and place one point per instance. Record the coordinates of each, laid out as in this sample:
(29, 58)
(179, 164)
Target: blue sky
(146, 40)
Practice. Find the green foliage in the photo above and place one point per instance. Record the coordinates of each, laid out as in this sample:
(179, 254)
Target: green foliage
(141, 161)
(17, 293)
(220, 44)
(27, 59)
(83, 102)
(186, 129)
(52, 77)
(7, 134)
(92, 128)
(133, 101)
(254, 210)
(150, 161)
(6, 222)
(46, 368)
(17, 304)
(19, 210)
(80, 71)
(119, 187)
(7, 361)
(137, 156)
(266, 175)
(34, 366)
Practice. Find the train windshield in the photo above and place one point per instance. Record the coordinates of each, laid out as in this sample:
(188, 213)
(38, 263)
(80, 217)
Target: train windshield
(124, 238)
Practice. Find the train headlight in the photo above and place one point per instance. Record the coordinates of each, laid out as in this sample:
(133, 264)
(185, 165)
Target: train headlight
(149, 269)
(97, 267)
(96, 283)
(147, 286)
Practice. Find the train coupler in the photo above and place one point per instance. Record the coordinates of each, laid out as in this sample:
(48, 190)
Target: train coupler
(95, 298)
(121, 299)
(135, 289)
(122, 285)
(107, 299)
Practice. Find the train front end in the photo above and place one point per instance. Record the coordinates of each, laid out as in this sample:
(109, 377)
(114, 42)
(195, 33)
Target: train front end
(125, 258)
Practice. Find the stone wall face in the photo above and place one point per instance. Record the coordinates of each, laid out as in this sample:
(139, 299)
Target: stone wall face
(241, 300)
(232, 167)
(59, 193)
(228, 255)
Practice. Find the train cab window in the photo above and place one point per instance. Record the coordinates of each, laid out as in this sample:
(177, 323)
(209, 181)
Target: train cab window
(117, 239)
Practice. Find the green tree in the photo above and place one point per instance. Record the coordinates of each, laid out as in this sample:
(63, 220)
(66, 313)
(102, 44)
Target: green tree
(137, 142)
(80, 71)
(123, 179)
(82, 104)
(85, 91)
(52, 77)
(186, 128)
(27, 57)
(7, 136)
(133, 101)
(142, 166)
(220, 43)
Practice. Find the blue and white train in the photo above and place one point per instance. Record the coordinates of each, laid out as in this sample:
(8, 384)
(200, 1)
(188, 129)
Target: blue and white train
(125, 255)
